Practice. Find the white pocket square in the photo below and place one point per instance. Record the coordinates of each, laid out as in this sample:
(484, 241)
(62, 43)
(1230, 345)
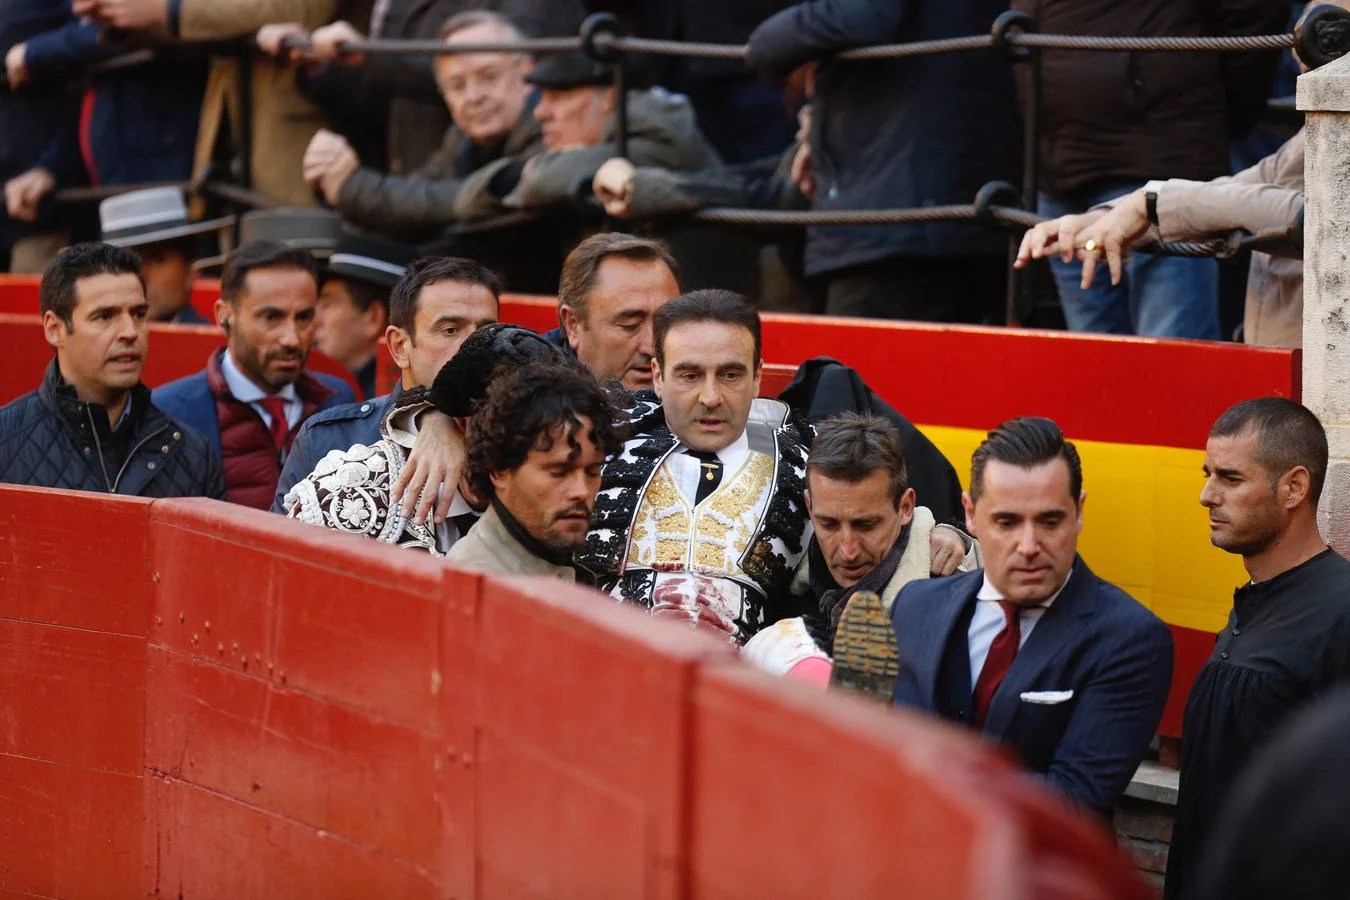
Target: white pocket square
(1047, 698)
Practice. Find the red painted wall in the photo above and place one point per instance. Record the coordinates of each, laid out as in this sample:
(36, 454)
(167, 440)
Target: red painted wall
(215, 702)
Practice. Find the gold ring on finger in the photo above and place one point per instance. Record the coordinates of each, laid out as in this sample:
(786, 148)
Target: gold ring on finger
(1090, 247)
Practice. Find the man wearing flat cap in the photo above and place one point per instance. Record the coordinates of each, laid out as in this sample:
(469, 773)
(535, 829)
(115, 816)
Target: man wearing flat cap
(573, 128)
(576, 110)
(155, 224)
(353, 309)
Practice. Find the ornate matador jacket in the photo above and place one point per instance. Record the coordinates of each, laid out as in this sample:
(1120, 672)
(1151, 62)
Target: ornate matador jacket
(647, 538)
(349, 490)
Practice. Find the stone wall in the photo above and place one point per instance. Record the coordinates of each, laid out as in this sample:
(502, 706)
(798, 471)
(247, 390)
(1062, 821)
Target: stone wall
(1143, 820)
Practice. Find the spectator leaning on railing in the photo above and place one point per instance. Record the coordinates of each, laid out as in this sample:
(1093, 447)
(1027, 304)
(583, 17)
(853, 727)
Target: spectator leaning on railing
(1111, 121)
(418, 117)
(900, 133)
(282, 120)
(135, 124)
(1266, 197)
(490, 105)
(574, 112)
(30, 119)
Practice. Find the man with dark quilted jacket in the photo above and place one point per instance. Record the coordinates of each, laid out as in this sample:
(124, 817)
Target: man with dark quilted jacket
(91, 426)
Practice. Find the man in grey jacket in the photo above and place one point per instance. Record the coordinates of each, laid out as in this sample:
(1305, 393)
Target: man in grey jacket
(576, 111)
(489, 102)
(572, 130)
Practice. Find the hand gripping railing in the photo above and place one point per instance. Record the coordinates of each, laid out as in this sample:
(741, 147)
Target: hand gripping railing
(991, 207)
(1322, 35)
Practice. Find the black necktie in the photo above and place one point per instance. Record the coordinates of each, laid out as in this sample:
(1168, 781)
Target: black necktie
(709, 474)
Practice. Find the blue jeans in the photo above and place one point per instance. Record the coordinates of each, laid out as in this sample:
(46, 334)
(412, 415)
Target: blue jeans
(1158, 296)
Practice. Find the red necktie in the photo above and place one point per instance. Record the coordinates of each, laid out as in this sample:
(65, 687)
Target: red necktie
(276, 408)
(997, 663)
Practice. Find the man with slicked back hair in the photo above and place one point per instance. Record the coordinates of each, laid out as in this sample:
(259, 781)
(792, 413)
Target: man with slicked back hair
(1033, 651)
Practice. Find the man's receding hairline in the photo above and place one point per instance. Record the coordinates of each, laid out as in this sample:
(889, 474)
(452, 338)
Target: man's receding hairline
(283, 267)
(1057, 458)
(750, 335)
(624, 257)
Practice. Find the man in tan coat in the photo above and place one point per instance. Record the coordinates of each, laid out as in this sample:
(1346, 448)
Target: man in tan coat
(536, 448)
(282, 122)
(1267, 197)
(1264, 198)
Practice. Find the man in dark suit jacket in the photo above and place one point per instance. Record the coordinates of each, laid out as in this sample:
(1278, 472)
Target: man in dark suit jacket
(1034, 651)
(255, 394)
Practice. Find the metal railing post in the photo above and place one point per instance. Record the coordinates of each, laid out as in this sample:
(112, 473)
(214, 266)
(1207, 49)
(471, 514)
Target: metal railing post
(599, 34)
(1021, 290)
(246, 118)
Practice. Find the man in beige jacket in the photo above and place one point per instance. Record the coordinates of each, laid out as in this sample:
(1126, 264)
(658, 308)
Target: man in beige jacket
(536, 448)
(1266, 197)
(281, 121)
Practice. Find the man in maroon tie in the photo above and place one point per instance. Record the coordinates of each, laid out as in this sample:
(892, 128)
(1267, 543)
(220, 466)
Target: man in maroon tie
(1034, 650)
(255, 393)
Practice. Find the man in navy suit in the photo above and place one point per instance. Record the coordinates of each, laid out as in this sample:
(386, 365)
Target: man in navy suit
(1034, 651)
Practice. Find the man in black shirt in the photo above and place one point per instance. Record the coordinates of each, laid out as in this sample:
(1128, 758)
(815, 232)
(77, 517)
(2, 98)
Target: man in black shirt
(1288, 637)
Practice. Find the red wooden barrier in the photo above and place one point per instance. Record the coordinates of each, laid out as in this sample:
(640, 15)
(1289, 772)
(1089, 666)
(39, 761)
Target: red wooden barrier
(72, 665)
(268, 709)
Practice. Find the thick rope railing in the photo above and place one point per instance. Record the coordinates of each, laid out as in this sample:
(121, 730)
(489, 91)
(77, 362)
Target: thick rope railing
(1275, 240)
(1235, 44)
(1322, 35)
(695, 50)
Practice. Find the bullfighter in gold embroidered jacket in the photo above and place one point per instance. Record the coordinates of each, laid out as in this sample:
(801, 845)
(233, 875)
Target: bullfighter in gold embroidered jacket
(702, 514)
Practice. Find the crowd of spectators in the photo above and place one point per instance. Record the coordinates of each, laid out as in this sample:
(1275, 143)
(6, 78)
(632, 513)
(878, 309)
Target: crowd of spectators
(629, 449)
(510, 157)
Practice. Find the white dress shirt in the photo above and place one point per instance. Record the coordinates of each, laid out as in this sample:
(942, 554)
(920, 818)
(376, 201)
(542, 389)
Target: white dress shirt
(245, 391)
(988, 621)
(686, 470)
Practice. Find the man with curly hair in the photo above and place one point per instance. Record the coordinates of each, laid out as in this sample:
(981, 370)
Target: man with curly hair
(369, 488)
(536, 449)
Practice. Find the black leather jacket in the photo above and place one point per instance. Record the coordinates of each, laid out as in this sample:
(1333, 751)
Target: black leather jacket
(51, 438)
